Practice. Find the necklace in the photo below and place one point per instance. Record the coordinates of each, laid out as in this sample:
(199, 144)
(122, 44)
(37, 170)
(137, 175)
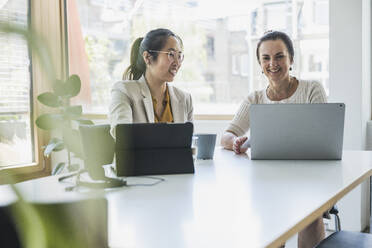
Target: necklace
(273, 95)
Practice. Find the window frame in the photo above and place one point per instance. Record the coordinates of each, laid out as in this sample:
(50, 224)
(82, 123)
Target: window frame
(50, 27)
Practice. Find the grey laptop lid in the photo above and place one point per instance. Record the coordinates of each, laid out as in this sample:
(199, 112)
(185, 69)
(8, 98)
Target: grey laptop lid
(297, 131)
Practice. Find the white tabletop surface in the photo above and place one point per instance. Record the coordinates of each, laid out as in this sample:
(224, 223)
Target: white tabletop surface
(230, 201)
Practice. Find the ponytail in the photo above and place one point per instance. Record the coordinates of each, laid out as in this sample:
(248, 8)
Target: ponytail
(137, 65)
(154, 41)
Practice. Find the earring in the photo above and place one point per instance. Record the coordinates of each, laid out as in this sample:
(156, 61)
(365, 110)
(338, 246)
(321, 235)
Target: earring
(262, 72)
(290, 68)
(148, 60)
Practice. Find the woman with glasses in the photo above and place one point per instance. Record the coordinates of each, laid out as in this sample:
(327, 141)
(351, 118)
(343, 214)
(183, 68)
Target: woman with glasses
(145, 95)
(275, 56)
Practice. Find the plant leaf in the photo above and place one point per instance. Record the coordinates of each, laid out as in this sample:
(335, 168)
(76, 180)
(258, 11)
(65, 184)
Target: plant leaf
(74, 111)
(49, 99)
(59, 168)
(49, 121)
(73, 85)
(54, 145)
(73, 167)
(59, 88)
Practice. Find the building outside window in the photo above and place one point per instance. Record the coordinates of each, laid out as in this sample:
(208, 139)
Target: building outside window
(219, 41)
(16, 126)
(244, 65)
(210, 47)
(235, 64)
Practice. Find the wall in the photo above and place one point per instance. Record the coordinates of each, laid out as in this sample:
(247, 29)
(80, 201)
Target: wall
(218, 127)
(350, 82)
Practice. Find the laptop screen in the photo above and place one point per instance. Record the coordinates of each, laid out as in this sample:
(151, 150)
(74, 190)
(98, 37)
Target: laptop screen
(297, 131)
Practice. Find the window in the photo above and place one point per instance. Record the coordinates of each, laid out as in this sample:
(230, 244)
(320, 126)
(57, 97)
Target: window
(321, 12)
(235, 64)
(219, 41)
(240, 65)
(314, 61)
(244, 69)
(16, 126)
(21, 153)
(277, 15)
(210, 47)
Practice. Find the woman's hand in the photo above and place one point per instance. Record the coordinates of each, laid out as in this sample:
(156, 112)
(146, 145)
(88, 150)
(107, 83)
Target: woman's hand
(238, 144)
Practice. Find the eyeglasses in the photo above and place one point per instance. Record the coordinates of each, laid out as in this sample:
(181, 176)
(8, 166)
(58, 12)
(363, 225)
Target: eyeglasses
(172, 55)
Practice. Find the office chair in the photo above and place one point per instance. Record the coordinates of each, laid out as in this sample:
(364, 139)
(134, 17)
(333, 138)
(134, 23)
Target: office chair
(345, 239)
(98, 149)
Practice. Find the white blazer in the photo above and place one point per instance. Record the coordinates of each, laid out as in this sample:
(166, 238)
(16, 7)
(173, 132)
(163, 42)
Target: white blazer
(131, 102)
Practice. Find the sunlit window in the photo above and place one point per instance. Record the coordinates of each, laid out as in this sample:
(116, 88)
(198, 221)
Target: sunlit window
(220, 37)
(15, 89)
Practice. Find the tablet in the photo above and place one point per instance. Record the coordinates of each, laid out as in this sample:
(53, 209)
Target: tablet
(153, 149)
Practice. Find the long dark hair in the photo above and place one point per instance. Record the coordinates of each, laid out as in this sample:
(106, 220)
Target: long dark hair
(154, 40)
(276, 35)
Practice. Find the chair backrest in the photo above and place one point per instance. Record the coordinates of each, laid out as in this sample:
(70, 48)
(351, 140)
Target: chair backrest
(98, 148)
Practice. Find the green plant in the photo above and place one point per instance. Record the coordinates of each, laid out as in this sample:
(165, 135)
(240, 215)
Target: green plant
(65, 116)
(58, 224)
(65, 119)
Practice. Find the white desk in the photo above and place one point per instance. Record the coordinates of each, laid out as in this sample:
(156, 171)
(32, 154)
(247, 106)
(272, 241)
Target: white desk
(233, 201)
(230, 201)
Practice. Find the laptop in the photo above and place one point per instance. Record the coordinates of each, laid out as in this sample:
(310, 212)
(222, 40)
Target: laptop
(297, 131)
(153, 149)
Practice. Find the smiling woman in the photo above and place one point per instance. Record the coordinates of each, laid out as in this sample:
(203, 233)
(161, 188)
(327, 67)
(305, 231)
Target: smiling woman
(275, 55)
(146, 95)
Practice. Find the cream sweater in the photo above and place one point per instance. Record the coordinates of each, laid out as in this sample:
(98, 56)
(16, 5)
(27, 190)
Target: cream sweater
(306, 92)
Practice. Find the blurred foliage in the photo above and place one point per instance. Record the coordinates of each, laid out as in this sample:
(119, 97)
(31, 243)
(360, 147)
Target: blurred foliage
(75, 223)
(62, 119)
(60, 225)
(28, 223)
(10, 117)
(64, 115)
